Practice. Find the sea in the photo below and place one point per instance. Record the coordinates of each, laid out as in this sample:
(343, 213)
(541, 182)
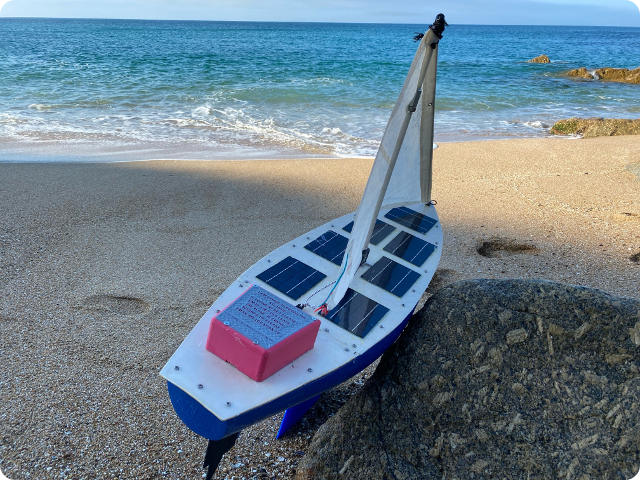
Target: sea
(111, 90)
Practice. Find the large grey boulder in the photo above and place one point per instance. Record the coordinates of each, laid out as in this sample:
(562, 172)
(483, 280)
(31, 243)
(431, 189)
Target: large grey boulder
(497, 379)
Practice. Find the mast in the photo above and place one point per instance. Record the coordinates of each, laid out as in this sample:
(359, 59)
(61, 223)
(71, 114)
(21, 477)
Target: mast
(402, 170)
(428, 119)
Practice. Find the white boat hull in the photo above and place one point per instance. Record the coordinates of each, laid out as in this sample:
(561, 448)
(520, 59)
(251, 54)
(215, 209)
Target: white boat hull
(215, 399)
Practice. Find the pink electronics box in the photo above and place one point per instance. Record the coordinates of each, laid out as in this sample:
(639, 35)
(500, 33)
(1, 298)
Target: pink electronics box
(260, 333)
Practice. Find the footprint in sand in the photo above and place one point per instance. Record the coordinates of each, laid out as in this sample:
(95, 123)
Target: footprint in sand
(626, 217)
(497, 246)
(116, 304)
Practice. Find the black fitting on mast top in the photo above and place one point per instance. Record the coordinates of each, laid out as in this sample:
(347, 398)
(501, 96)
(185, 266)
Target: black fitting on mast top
(439, 25)
(437, 28)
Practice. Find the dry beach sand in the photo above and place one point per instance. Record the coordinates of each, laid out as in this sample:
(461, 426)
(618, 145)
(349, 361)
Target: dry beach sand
(105, 268)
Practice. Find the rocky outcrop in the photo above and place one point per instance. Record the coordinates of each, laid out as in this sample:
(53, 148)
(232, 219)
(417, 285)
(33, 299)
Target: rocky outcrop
(540, 59)
(596, 127)
(623, 75)
(496, 379)
(580, 73)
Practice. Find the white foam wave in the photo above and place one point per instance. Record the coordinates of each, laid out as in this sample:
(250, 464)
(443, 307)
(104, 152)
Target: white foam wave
(536, 124)
(228, 124)
(275, 129)
(332, 131)
(41, 107)
(319, 81)
(7, 119)
(532, 124)
(202, 110)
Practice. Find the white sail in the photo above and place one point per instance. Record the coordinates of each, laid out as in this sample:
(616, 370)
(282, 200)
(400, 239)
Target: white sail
(401, 172)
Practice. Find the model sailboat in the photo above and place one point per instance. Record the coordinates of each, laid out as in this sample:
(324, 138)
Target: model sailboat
(322, 307)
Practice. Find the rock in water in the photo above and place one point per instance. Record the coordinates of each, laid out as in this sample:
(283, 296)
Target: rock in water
(623, 75)
(581, 72)
(496, 379)
(596, 127)
(540, 59)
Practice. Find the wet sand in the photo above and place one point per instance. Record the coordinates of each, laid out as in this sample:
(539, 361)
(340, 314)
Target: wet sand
(104, 269)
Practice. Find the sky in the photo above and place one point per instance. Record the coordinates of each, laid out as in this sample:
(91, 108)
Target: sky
(492, 12)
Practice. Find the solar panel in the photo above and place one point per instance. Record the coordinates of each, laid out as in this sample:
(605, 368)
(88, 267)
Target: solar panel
(410, 248)
(380, 231)
(357, 313)
(291, 277)
(330, 245)
(411, 219)
(391, 276)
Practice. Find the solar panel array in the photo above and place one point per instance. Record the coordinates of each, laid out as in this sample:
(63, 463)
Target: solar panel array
(411, 219)
(357, 313)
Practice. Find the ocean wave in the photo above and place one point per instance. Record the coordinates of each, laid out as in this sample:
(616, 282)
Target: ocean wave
(489, 104)
(97, 103)
(536, 124)
(41, 107)
(613, 99)
(8, 119)
(518, 125)
(202, 110)
(37, 129)
(320, 81)
(228, 124)
(222, 122)
(63, 135)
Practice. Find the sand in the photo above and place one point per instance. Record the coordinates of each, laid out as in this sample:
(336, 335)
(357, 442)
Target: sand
(104, 268)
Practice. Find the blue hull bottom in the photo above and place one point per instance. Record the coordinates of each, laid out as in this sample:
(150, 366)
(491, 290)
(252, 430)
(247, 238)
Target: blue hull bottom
(207, 425)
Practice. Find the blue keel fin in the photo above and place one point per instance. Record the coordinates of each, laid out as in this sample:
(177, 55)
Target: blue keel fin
(294, 414)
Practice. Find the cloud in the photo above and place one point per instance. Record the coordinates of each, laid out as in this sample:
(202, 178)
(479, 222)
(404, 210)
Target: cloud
(635, 2)
(3, 3)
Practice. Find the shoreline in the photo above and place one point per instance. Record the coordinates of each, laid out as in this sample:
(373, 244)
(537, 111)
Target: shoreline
(107, 266)
(209, 155)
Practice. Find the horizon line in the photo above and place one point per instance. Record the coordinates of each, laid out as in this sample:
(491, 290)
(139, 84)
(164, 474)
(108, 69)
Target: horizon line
(310, 21)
